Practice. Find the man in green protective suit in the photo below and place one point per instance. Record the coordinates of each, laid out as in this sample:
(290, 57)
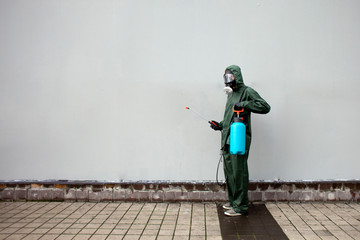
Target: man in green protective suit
(235, 166)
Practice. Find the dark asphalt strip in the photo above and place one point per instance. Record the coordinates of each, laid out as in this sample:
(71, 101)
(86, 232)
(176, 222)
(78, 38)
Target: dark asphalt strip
(259, 224)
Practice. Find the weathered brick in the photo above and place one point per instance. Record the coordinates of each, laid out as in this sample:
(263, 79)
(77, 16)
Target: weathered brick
(94, 196)
(325, 186)
(252, 186)
(8, 194)
(282, 196)
(157, 196)
(319, 196)
(70, 195)
(109, 186)
(276, 185)
(150, 186)
(118, 195)
(269, 196)
(164, 186)
(125, 186)
(194, 196)
(299, 186)
(213, 187)
(45, 194)
(82, 195)
(131, 196)
(337, 186)
(255, 196)
(144, 196)
(263, 186)
(287, 187)
(169, 196)
(175, 186)
(20, 194)
(357, 197)
(35, 185)
(312, 186)
(330, 196)
(181, 196)
(200, 187)
(188, 186)
(138, 186)
(206, 196)
(350, 186)
(106, 195)
(295, 196)
(344, 195)
(33, 194)
(306, 196)
(58, 194)
(97, 188)
(220, 196)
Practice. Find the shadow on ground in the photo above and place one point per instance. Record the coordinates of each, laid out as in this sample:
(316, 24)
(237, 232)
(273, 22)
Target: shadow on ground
(258, 224)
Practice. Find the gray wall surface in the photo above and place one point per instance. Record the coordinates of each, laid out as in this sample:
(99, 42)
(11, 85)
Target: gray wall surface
(98, 89)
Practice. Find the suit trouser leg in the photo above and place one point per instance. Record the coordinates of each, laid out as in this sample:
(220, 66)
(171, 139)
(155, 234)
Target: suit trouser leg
(237, 180)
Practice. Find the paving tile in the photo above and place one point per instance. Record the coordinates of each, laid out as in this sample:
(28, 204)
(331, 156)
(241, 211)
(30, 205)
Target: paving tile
(82, 237)
(131, 237)
(16, 236)
(98, 237)
(147, 237)
(150, 232)
(181, 237)
(49, 237)
(3, 236)
(33, 237)
(114, 237)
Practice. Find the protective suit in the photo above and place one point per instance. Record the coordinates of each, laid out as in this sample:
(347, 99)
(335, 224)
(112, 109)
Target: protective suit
(235, 166)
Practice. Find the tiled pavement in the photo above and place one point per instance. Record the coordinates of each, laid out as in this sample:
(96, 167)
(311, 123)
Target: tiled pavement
(55, 220)
(318, 220)
(63, 220)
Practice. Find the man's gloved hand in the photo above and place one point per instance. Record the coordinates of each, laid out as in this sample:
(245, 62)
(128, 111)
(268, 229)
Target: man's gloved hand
(215, 125)
(237, 106)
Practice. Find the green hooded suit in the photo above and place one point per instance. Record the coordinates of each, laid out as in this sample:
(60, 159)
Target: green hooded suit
(235, 166)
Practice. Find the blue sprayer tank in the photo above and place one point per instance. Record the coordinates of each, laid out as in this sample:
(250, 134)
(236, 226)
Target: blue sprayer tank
(237, 135)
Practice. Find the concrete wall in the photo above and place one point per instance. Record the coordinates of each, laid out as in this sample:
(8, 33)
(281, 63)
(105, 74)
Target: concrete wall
(98, 89)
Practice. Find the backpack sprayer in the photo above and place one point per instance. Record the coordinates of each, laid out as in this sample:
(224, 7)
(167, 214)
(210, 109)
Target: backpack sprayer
(238, 134)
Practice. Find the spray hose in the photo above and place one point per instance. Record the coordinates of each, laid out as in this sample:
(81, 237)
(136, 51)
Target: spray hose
(217, 169)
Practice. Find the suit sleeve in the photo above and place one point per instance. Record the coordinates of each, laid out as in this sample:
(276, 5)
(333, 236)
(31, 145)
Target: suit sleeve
(254, 102)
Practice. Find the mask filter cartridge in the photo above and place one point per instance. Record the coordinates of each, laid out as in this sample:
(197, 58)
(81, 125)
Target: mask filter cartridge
(228, 90)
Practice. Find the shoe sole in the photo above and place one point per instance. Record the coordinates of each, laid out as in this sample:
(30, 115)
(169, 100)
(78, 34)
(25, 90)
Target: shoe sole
(232, 214)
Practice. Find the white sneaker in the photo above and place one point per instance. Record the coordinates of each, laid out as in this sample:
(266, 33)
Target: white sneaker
(232, 213)
(227, 206)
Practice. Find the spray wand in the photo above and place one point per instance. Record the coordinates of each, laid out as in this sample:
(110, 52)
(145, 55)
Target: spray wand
(197, 113)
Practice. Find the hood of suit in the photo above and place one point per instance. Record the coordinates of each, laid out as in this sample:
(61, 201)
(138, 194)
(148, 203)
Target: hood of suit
(238, 76)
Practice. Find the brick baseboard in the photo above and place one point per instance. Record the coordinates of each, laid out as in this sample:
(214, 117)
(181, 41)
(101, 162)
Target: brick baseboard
(165, 191)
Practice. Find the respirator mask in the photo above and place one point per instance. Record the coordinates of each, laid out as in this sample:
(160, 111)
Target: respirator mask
(230, 83)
